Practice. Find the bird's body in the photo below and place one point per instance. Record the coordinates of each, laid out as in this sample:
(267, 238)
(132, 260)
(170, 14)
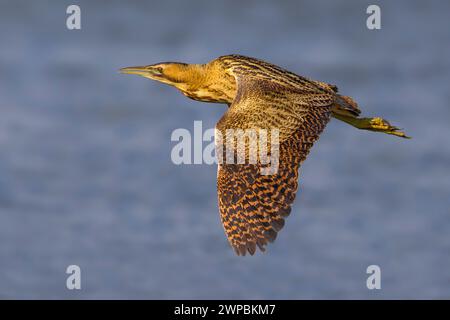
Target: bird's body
(261, 95)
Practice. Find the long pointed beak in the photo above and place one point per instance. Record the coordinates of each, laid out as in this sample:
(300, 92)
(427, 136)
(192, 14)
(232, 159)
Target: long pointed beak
(145, 71)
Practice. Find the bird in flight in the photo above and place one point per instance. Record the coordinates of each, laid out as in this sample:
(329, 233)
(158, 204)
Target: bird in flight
(261, 95)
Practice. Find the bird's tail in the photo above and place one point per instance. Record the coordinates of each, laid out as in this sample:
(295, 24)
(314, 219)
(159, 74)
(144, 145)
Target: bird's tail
(346, 110)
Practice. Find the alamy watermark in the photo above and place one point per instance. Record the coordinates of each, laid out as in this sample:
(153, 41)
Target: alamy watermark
(73, 281)
(73, 21)
(230, 146)
(373, 21)
(374, 280)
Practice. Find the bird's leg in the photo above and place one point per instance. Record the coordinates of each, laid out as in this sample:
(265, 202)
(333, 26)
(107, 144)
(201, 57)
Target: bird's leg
(372, 124)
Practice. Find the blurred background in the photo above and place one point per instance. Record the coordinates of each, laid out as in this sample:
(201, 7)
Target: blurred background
(86, 176)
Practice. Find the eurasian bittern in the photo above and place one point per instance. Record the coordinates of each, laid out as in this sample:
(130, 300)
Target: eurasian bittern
(261, 95)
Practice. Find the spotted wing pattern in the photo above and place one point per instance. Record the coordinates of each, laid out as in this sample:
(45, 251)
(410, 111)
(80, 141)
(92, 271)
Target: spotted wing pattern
(252, 205)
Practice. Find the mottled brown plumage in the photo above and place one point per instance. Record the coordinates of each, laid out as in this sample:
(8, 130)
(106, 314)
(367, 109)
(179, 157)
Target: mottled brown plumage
(261, 95)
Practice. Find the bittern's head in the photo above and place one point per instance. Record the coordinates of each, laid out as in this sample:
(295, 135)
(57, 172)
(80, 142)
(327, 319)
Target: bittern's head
(201, 82)
(173, 73)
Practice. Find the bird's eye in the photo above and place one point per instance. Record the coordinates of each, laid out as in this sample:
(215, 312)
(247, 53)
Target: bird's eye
(155, 71)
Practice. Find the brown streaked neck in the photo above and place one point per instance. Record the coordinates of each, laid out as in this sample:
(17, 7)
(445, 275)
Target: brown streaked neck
(192, 74)
(206, 83)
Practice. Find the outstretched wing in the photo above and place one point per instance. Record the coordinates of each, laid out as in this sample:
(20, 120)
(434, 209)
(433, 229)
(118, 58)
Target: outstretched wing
(253, 205)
